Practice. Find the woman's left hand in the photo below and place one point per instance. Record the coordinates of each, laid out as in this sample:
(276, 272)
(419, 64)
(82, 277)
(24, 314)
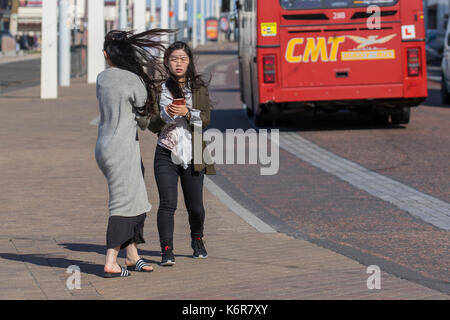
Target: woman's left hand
(179, 110)
(142, 122)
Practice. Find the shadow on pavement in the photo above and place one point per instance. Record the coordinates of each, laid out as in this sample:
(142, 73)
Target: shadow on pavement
(101, 249)
(51, 260)
(339, 121)
(60, 261)
(434, 99)
(236, 119)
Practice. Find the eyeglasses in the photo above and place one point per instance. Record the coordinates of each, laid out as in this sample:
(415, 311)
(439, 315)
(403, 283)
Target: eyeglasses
(182, 59)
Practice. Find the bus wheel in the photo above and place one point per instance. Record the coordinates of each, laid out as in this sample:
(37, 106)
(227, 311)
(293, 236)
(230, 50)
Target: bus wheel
(249, 111)
(381, 118)
(402, 116)
(444, 92)
(260, 121)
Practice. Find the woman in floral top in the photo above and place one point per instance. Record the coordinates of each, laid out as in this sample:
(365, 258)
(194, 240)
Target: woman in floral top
(180, 110)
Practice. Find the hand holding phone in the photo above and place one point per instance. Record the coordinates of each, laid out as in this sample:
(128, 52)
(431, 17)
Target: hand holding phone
(179, 102)
(178, 107)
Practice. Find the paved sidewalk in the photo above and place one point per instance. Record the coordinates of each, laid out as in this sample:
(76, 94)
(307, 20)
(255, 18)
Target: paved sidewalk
(54, 214)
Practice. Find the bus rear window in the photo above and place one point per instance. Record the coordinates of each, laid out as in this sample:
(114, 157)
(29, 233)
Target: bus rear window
(330, 4)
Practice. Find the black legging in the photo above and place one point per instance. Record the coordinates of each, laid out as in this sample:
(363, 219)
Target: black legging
(166, 174)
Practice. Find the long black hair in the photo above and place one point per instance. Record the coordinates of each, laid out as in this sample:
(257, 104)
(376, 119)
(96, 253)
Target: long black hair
(194, 80)
(135, 52)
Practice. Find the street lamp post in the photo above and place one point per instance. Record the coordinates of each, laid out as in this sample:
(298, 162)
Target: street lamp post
(139, 12)
(96, 35)
(49, 53)
(217, 11)
(194, 24)
(182, 18)
(202, 23)
(172, 20)
(64, 43)
(164, 19)
(123, 23)
(153, 14)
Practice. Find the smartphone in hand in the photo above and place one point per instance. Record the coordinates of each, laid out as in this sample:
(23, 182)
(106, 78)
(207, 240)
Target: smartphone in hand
(178, 102)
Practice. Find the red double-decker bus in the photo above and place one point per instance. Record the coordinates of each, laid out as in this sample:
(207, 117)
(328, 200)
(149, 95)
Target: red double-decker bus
(360, 55)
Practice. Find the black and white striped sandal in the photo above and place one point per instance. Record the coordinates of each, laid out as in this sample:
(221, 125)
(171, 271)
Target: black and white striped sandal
(123, 273)
(139, 267)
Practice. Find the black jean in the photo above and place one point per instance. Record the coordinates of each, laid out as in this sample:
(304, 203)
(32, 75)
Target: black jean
(166, 174)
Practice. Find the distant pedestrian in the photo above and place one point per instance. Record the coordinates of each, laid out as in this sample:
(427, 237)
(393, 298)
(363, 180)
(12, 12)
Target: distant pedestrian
(23, 42)
(174, 121)
(124, 90)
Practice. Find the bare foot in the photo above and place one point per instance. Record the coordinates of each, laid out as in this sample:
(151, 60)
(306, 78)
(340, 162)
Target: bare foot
(113, 268)
(132, 263)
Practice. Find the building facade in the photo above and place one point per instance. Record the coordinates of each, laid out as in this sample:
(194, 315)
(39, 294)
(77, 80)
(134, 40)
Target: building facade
(5, 12)
(24, 17)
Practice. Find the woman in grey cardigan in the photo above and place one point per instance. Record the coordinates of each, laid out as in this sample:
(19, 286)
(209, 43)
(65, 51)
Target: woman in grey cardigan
(123, 91)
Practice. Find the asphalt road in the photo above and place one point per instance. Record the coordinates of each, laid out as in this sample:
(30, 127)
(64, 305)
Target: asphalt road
(308, 203)
(19, 75)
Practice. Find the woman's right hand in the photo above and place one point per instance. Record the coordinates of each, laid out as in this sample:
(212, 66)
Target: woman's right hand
(178, 109)
(169, 111)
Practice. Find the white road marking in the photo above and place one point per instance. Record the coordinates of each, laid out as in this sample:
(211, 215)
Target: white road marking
(245, 214)
(416, 203)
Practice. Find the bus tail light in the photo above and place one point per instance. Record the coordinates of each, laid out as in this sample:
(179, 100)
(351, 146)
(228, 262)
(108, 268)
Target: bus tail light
(413, 62)
(269, 69)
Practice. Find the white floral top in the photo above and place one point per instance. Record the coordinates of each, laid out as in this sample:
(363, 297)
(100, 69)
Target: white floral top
(176, 134)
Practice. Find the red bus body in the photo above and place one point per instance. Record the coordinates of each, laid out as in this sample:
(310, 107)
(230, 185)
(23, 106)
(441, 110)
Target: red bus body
(331, 58)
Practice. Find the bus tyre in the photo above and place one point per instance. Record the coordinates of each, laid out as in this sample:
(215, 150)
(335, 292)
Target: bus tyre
(381, 118)
(444, 92)
(402, 116)
(249, 111)
(260, 121)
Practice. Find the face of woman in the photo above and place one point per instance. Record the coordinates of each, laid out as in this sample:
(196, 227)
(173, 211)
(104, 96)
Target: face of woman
(178, 63)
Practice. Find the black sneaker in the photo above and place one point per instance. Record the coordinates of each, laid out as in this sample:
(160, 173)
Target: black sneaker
(199, 248)
(168, 259)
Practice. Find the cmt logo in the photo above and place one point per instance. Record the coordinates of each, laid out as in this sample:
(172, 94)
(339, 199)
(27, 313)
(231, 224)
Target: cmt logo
(314, 49)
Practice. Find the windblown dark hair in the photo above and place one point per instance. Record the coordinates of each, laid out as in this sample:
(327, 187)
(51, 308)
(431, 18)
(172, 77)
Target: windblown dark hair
(136, 53)
(194, 80)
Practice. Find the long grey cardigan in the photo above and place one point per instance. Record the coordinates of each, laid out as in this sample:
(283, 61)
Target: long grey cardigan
(117, 151)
